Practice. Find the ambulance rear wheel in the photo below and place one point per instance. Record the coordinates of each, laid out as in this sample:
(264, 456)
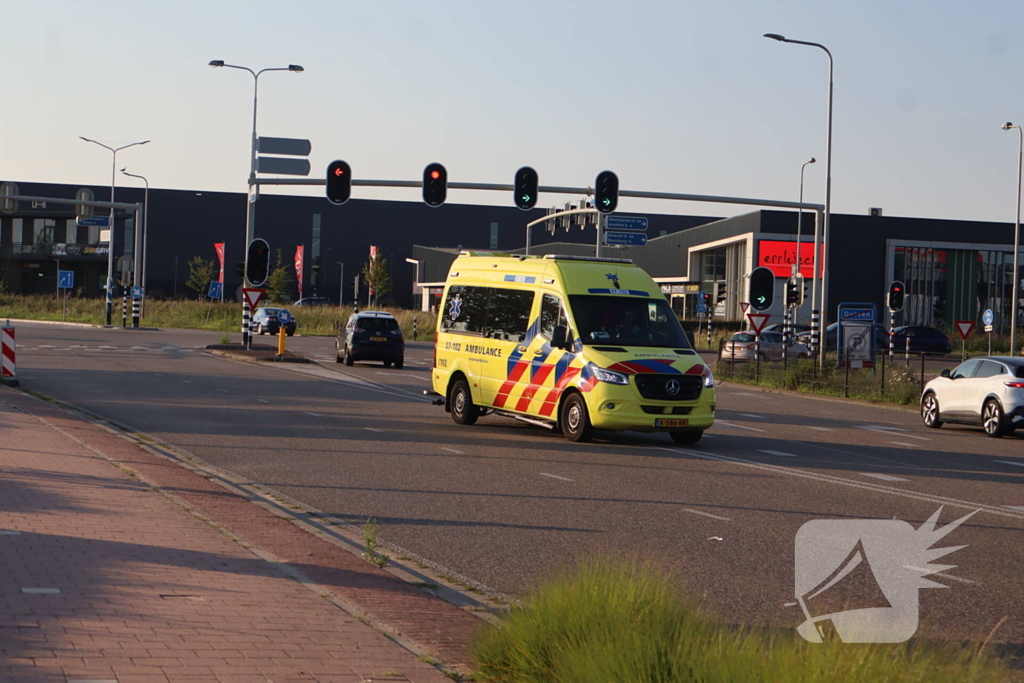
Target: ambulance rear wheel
(687, 438)
(464, 411)
(575, 419)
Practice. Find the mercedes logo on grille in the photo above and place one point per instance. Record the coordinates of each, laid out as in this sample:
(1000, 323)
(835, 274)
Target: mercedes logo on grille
(672, 387)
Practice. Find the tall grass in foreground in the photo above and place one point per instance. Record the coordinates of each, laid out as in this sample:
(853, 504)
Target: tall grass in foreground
(626, 623)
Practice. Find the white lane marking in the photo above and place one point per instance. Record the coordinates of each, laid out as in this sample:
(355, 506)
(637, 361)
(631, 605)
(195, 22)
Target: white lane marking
(223, 391)
(1011, 462)
(939, 576)
(821, 429)
(911, 436)
(904, 443)
(168, 348)
(371, 429)
(139, 348)
(555, 476)
(451, 450)
(41, 591)
(406, 375)
(880, 428)
(1015, 507)
(47, 346)
(6, 532)
(109, 347)
(79, 346)
(778, 453)
(706, 514)
(756, 417)
(314, 414)
(260, 400)
(883, 477)
(735, 426)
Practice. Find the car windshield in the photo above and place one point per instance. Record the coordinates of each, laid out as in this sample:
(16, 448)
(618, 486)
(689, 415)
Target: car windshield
(377, 324)
(271, 312)
(623, 321)
(742, 337)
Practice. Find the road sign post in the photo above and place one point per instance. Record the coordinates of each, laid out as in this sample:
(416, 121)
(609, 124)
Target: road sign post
(988, 317)
(855, 341)
(964, 327)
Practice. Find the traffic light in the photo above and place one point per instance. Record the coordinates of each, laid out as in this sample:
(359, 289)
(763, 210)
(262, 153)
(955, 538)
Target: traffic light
(606, 192)
(435, 184)
(258, 263)
(762, 288)
(339, 182)
(897, 292)
(795, 291)
(525, 192)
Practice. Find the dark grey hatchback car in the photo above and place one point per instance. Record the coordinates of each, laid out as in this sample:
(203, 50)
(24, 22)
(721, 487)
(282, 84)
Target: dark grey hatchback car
(371, 335)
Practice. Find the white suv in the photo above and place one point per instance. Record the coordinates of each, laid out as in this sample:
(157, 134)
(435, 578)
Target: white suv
(986, 391)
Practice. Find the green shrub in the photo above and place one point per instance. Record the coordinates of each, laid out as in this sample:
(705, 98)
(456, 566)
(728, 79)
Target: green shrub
(627, 622)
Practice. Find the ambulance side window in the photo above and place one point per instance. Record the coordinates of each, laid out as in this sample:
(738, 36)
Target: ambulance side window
(465, 310)
(551, 313)
(508, 313)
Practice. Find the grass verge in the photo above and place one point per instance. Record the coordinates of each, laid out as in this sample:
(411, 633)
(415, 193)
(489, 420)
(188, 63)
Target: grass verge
(627, 622)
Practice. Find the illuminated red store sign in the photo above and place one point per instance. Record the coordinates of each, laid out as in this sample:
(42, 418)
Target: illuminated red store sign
(780, 256)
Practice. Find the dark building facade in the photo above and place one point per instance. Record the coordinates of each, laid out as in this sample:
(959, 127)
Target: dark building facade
(184, 224)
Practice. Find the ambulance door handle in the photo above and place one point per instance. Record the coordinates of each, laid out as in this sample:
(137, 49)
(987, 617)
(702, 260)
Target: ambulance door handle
(523, 349)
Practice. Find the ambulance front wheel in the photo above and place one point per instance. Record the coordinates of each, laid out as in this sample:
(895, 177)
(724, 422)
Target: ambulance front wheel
(575, 419)
(464, 411)
(687, 438)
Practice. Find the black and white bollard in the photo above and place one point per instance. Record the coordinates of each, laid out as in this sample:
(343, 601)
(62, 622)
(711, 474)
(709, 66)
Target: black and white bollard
(124, 308)
(815, 329)
(135, 313)
(245, 324)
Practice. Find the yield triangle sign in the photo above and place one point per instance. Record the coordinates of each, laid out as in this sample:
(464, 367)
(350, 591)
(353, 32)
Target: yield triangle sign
(744, 306)
(964, 327)
(253, 296)
(757, 321)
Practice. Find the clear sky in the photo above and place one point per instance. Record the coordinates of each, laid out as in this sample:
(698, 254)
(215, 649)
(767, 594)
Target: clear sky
(673, 96)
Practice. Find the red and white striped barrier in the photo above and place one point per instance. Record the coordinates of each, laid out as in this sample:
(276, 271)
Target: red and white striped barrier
(8, 369)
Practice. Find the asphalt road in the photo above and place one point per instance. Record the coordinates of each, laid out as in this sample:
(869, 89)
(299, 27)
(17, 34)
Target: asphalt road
(505, 503)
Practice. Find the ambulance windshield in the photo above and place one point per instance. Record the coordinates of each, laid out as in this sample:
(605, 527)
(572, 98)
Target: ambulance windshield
(627, 321)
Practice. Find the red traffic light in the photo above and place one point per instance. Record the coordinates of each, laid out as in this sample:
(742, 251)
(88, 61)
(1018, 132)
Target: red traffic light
(435, 184)
(339, 171)
(435, 174)
(339, 182)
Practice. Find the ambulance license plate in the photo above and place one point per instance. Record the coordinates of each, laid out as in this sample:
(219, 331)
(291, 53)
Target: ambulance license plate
(378, 338)
(667, 422)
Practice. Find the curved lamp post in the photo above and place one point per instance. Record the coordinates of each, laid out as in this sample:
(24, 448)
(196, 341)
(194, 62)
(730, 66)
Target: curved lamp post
(141, 239)
(1016, 243)
(823, 300)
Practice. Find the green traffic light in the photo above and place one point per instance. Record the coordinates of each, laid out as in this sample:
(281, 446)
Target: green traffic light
(607, 201)
(526, 199)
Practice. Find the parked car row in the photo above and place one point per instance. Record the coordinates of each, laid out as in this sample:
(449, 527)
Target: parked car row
(919, 338)
(743, 346)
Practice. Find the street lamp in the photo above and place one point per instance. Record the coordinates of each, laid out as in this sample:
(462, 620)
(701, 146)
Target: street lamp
(110, 242)
(1016, 243)
(252, 190)
(141, 238)
(800, 216)
(823, 302)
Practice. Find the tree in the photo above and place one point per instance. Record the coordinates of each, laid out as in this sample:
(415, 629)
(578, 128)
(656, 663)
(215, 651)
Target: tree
(278, 284)
(375, 275)
(200, 274)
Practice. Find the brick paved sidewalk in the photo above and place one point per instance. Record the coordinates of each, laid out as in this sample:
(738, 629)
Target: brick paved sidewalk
(103, 578)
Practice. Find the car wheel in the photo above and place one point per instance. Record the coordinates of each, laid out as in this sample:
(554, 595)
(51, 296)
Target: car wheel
(337, 353)
(387, 364)
(575, 419)
(399, 363)
(259, 329)
(930, 411)
(464, 411)
(687, 438)
(992, 419)
(348, 357)
(290, 332)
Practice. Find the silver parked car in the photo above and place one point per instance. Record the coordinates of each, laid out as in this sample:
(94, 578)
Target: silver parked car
(986, 392)
(743, 345)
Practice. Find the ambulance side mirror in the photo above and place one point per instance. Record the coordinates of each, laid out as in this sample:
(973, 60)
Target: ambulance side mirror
(560, 338)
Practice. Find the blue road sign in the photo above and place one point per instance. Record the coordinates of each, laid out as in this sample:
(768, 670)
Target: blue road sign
(988, 317)
(93, 221)
(632, 223)
(216, 289)
(66, 279)
(702, 308)
(284, 317)
(137, 292)
(856, 314)
(625, 239)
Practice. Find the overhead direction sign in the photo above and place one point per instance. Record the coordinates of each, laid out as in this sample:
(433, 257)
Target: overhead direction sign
(964, 327)
(253, 295)
(282, 165)
(625, 239)
(758, 320)
(93, 221)
(216, 289)
(66, 279)
(293, 147)
(628, 223)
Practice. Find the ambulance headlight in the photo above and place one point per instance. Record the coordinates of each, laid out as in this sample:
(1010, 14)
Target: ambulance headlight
(611, 376)
(709, 379)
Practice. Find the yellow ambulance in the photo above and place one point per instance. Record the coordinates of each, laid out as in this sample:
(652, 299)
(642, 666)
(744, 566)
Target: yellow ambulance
(570, 342)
